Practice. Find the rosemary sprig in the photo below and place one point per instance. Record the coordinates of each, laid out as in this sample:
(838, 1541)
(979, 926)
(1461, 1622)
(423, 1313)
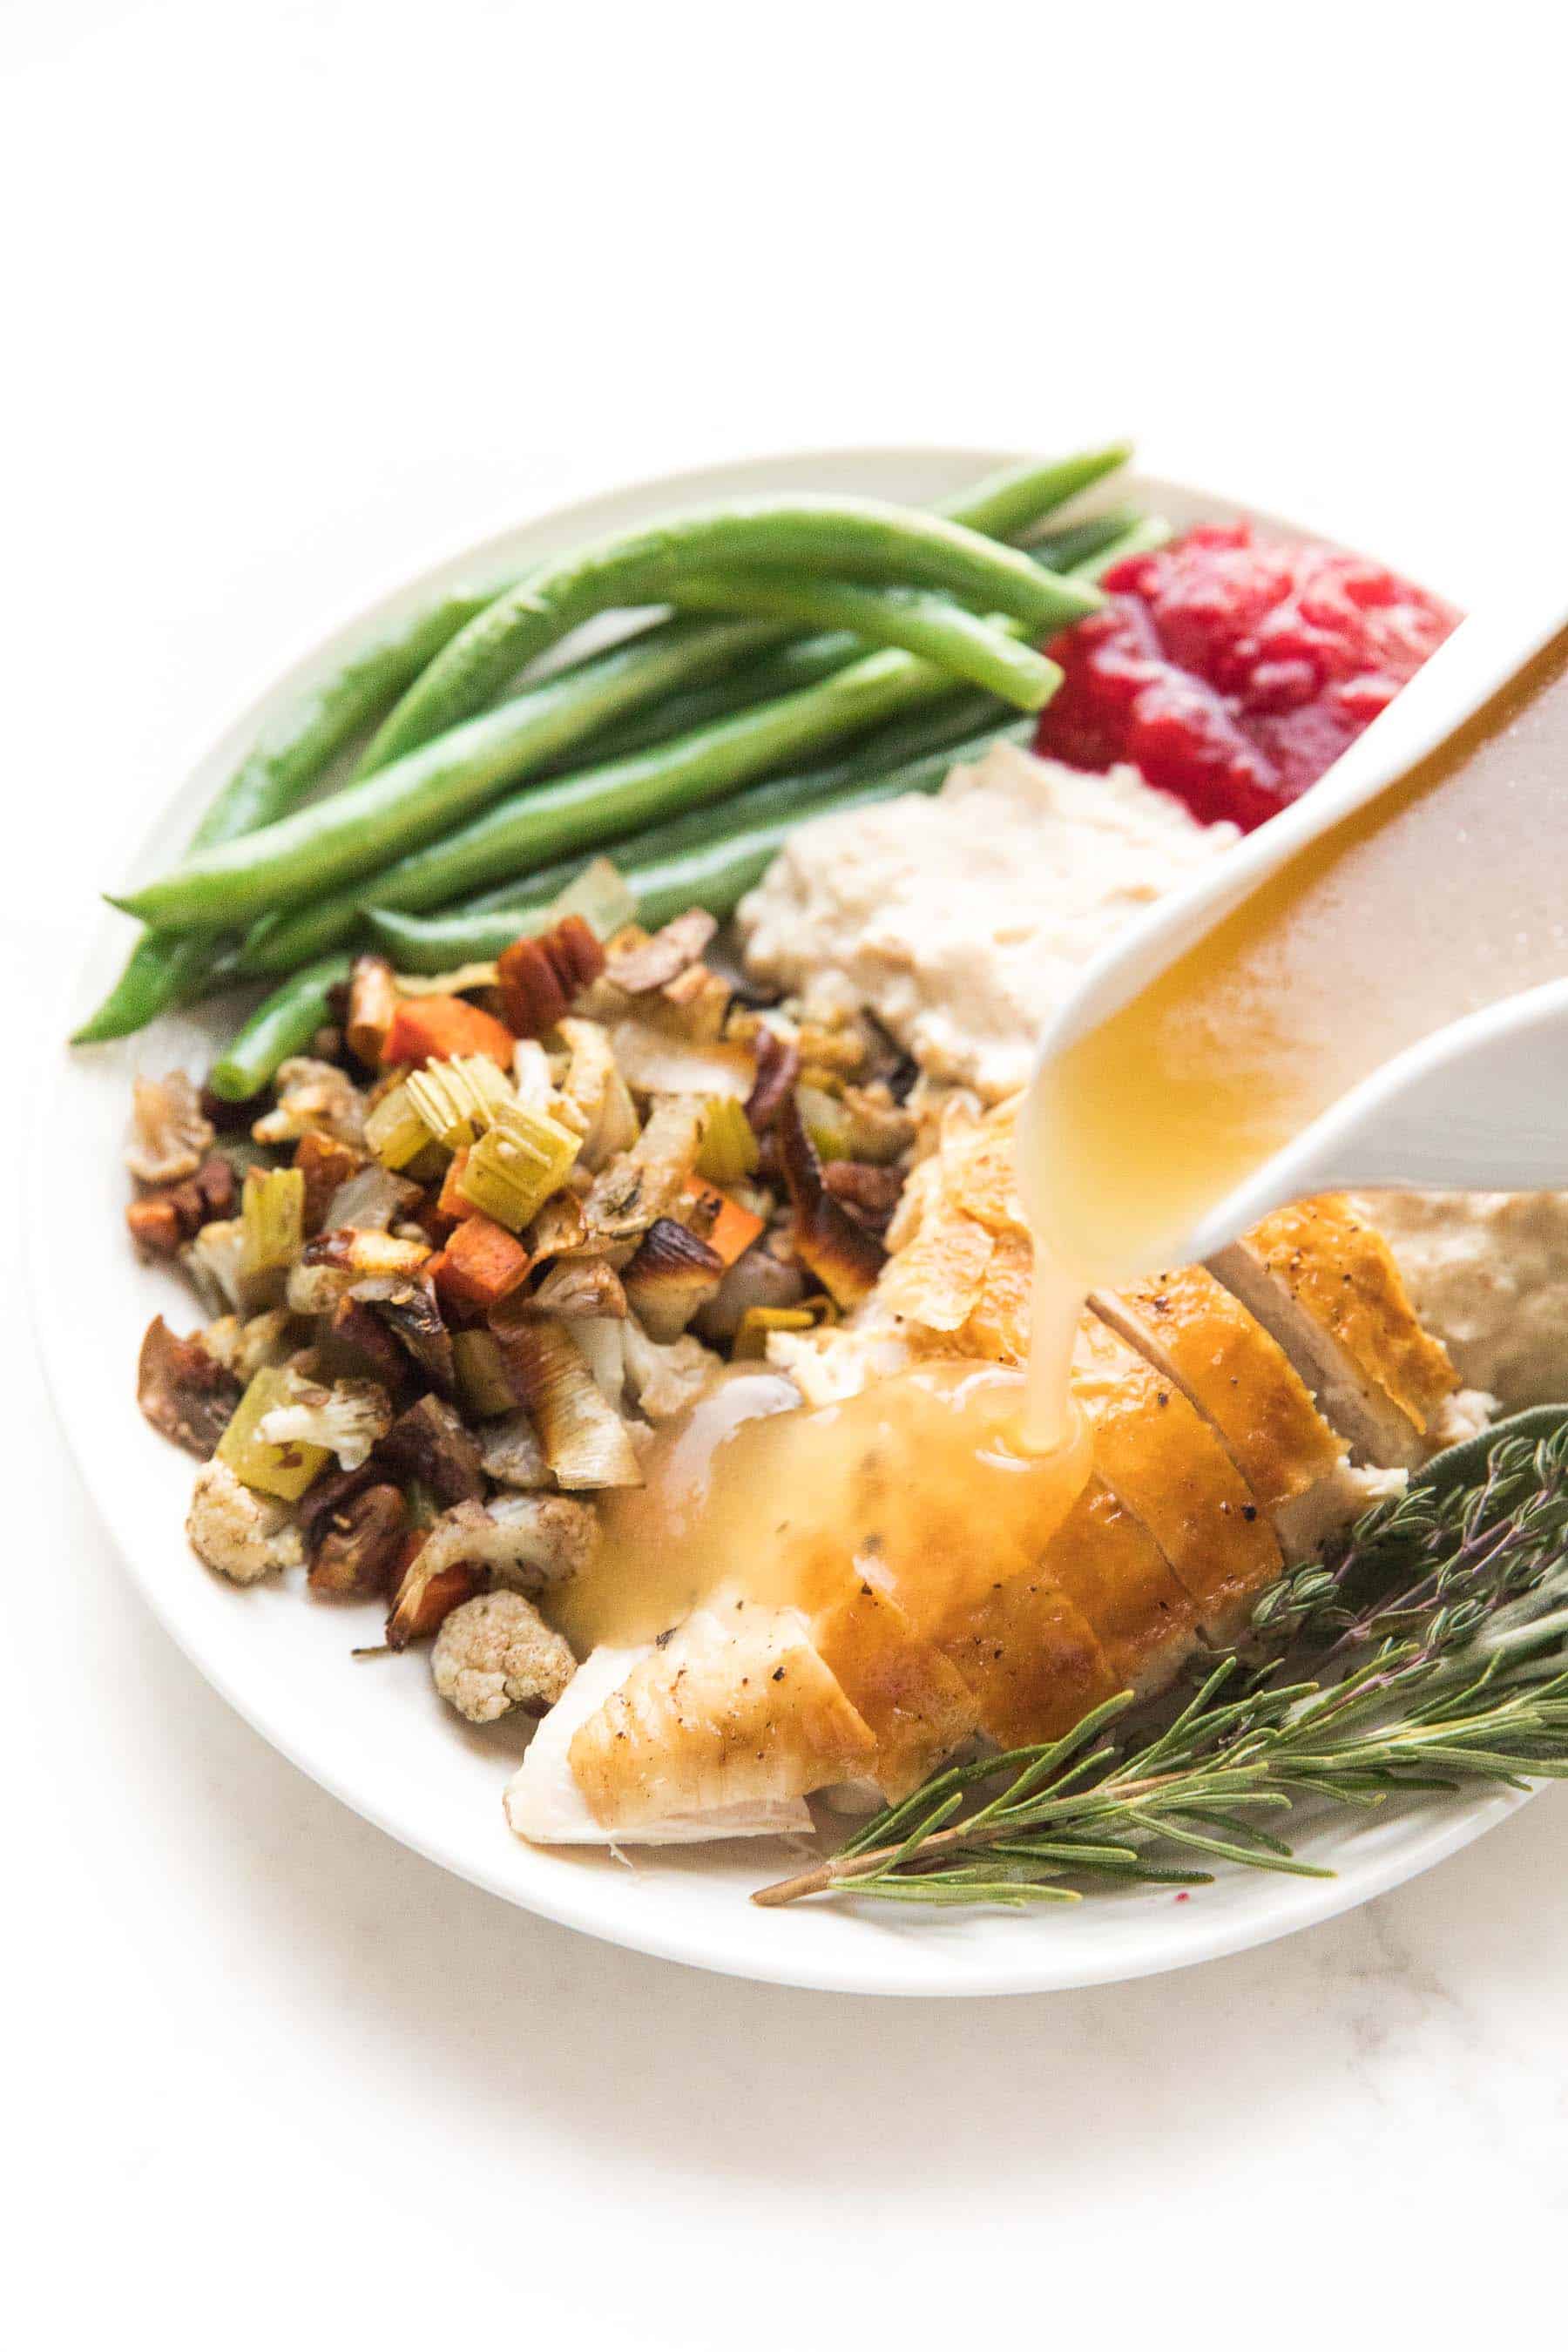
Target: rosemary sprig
(1429, 1650)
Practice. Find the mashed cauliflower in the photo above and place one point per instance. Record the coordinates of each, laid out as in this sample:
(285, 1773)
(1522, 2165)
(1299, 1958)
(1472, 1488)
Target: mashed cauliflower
(1488, 1272)
(964, 920)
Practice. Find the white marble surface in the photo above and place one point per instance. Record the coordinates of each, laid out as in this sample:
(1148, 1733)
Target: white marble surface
(305, 294)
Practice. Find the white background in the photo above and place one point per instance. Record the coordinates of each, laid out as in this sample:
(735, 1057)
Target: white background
(298, 297)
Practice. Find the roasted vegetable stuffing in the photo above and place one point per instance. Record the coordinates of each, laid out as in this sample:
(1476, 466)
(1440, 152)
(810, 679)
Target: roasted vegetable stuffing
(451, 1296)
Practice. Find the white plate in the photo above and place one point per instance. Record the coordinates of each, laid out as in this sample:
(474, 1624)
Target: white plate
(374, 1731)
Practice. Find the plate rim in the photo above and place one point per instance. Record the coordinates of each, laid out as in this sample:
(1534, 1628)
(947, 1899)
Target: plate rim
(1025, 1962)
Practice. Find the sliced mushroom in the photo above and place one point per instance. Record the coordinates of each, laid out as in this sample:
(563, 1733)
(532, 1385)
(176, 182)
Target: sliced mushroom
(870, 1194)
(359, 1343)
(172, 1136)
(429, 1442)
(184, 1391)
(759, 1278)
(353, 1552)
(638, 964)
(410, 1312)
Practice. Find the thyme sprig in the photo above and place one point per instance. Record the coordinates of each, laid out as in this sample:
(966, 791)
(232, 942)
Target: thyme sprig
(1428, 1651)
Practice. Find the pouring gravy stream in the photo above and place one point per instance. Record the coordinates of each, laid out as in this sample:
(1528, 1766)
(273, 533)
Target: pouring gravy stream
(1440, 896)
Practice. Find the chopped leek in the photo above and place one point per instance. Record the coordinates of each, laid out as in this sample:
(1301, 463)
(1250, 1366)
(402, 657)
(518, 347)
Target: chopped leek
(827, 1122)
(729, 1153)
(458, 1099)
(752, 1332)
(272, 1219)
(483, 1388)
(447, 984)
(283, 1470)
(518, 1163)
(394, 1130)
(601, 895)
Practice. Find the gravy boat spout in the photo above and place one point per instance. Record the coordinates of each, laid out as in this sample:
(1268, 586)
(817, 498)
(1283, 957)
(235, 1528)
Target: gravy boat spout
(1470, 1093)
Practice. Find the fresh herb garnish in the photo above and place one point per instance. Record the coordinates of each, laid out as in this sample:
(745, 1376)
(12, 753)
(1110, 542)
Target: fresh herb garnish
(1428, 1650)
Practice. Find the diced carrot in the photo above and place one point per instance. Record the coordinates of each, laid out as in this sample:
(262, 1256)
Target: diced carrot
(480, 1262)
(733, 1228)
(437, 1028)
(421, 1602)
(155, 1226)
(450, 1201)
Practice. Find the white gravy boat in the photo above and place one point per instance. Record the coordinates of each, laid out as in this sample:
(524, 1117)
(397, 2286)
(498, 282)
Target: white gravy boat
(1481, 1104)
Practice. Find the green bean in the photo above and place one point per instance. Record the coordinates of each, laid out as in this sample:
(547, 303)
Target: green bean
(360, 827)
(1139, 537)
(165, 968)
(1082, 542)
(957, 722)
(1011, 502)
(1008, 504)
(805, 661)
(281, 941)
(860, 537)
(284, 1025)
(931, 626)
(598, 804)
(707, 858)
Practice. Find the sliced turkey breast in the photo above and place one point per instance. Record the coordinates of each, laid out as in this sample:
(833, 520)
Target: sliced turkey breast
(1200, 1338)
(1165, 1464)
(1324, 1284)
(912, 1700)
(544, 1804)
(737, 1708)
(1109, 1567)
(1029, 1657)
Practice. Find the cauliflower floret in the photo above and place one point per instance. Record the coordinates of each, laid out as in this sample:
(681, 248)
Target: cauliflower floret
(495, 1653)
(214, 1261)
(512, 1454)
(664, 1380)
(314, 1098)
(526, 1542)
(244, 1345)
(244, 1535)
(349, 1418)
(171, 1136)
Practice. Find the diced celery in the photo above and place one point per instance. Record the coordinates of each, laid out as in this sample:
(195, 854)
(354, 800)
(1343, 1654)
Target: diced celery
(272, 1219)
(517, 1164)
(283, 1470)
(458, 1099)
(394, 1130)
(729, 1153)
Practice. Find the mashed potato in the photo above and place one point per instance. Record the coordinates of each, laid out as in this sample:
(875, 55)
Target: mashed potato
(964, 920)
